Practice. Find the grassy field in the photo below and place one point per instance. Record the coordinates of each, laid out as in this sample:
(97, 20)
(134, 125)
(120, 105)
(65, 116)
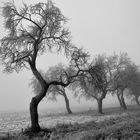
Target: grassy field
(115, 124)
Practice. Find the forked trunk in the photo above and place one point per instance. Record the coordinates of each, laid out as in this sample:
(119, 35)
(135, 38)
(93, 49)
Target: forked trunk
(67, 104)
(119, 99)
(100, 108)
(137, 100)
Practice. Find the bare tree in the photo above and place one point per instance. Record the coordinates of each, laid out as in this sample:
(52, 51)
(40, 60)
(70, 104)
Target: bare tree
(96, 81)
(133, 78)
(60, 90)
(120, 79)
(32, 31)
(119, 85)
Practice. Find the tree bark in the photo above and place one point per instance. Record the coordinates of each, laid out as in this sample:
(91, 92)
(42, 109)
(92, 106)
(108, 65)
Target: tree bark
(35, 127)
(137, 100)
(123, 101)
(34, 115)
(100, 108)
(119, 99)
(67, 104)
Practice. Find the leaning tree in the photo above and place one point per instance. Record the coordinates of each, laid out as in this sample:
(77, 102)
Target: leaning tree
(32, 31)
(119, 82)
(56, 73)
(120, 77)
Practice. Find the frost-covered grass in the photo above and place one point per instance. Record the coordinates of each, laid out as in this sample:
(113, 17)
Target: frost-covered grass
(115, 124)
(120, 128)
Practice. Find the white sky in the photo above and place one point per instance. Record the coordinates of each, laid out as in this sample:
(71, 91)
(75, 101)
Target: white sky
(100, 26)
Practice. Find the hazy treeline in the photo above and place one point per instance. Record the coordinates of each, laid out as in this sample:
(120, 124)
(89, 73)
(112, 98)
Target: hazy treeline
(94, 78)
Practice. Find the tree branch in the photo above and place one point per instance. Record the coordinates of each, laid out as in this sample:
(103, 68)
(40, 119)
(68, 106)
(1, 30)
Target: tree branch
(28, 19)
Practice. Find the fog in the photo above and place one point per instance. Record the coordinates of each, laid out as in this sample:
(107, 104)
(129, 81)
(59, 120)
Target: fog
(102, 26)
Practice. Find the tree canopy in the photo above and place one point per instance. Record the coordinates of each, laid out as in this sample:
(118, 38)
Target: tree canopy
(32, 30)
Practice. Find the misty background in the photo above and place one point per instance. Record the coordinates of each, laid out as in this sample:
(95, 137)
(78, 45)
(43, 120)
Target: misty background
(97, 26)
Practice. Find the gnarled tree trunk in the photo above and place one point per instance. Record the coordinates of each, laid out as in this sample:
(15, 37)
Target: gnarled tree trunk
(35, 127)
(67, 104)
(34, 115)
(36, 100)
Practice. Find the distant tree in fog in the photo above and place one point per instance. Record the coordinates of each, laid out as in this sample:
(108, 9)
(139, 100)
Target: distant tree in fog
(134, 83)
(95, 83)
(122, 77)
(54, 73)
(120, 85)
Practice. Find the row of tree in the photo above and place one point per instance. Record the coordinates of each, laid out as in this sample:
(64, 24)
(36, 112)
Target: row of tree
(33, 30)
(116, 75)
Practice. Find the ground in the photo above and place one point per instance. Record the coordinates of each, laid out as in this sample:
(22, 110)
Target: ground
(114, 124)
